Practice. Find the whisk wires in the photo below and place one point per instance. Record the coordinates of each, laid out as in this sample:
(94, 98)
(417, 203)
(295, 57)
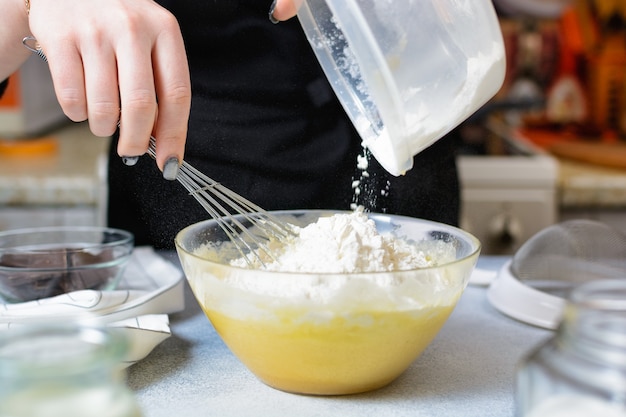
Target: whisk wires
(231, 211)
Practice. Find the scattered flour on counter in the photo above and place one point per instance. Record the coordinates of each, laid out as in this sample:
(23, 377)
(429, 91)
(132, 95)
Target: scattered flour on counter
(350, 243)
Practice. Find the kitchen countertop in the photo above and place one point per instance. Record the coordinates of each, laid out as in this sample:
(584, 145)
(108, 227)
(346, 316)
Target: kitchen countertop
(587, 185)
(468, 370)
(70, 171)
(587, 174)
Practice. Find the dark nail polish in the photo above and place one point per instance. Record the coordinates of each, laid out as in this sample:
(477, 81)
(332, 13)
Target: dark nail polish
(130, 160)
(271, 13)
(170, 169)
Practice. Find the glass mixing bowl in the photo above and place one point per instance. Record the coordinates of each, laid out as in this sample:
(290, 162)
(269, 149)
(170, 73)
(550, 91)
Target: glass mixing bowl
(328, 334)
(42, 262)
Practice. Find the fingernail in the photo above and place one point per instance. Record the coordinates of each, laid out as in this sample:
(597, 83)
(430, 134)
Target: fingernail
(130, 160)
(170, 169)
(271, 13)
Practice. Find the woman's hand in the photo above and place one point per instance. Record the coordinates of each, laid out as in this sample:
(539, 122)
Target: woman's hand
(122, 61)
(118, 61)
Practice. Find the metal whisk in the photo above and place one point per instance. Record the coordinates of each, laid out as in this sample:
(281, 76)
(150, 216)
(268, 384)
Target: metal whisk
(223, 205)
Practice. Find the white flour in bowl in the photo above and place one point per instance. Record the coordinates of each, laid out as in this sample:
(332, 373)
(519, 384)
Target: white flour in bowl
(350, 243)
(340, 262)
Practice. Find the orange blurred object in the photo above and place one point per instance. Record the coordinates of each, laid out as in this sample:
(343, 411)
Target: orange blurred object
(11, 98)
(27, 147)
(607, 83)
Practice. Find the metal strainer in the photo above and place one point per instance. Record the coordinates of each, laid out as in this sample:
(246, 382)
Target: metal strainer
(533, 286)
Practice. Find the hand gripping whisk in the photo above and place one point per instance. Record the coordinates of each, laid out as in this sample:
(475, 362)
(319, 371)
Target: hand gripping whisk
(246, 225)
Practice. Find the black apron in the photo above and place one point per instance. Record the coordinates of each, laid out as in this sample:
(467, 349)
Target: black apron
(265, 123)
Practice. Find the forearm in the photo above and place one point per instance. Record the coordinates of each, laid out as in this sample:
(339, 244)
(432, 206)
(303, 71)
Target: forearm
(13, 28)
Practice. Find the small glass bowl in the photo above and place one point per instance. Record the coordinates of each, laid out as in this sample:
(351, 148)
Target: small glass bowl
(43, 262)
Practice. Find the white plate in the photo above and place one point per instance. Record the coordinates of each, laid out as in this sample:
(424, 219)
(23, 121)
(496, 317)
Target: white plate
(149, 290)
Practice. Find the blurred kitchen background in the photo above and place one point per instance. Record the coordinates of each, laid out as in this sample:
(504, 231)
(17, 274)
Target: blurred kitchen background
(550, 146)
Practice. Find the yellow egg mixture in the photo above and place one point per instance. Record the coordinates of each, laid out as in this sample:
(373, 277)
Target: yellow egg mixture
(338, 355)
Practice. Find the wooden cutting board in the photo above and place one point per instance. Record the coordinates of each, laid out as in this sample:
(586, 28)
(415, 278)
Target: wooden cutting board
(604, 154)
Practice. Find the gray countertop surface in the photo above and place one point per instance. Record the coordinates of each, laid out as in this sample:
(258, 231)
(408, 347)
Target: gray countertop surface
(467, 371)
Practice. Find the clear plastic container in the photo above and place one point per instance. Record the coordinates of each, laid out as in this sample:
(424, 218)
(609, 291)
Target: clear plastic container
(581, 371)
(63, 371)
(407, 72)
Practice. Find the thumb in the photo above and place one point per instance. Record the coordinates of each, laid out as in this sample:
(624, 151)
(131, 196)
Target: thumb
(283, 9)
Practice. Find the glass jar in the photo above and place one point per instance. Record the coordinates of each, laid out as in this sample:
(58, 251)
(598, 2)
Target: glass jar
(63, 371)
(581, 371)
